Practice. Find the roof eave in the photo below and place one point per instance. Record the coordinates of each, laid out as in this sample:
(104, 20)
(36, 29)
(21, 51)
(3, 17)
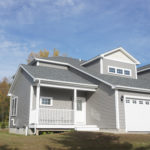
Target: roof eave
(119, 87)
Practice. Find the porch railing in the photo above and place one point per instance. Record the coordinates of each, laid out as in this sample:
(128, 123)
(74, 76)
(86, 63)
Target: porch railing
(56, 116)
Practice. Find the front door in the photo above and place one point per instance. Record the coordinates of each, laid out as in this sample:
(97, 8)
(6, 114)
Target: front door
(81, 111)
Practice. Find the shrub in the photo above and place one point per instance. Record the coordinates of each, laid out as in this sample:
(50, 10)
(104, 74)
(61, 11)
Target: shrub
(3, 125)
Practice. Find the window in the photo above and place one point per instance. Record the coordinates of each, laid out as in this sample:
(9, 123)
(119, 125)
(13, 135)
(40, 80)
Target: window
(127, 101)
(112, 70)
(14, 106)
(140, 102)
(147, 102)
(119, 71)
(79, 105)
(127, 72)
(46, 101)
(134, 101)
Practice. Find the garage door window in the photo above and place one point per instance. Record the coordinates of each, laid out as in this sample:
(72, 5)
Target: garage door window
(134, 101)
(147, 102)
(140, 102)
(127, 101)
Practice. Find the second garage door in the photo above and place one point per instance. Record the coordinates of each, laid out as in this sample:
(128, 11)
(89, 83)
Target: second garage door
(137, 114)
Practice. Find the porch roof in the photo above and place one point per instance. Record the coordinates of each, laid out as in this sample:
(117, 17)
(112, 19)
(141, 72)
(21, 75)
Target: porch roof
(55, 74)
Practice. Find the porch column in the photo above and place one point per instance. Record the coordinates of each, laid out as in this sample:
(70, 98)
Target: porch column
(37, 102)
(75, 104)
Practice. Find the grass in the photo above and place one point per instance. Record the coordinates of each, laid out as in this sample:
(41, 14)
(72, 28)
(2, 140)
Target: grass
(74, 141)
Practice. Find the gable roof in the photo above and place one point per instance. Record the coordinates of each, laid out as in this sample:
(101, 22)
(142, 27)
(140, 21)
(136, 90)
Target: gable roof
(57, 75)
(113, 81)
(111, 52)
(143, 68)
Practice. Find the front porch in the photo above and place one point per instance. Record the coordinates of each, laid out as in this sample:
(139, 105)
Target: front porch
(67, 109)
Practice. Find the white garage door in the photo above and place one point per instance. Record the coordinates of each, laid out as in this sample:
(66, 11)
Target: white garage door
(137, 114)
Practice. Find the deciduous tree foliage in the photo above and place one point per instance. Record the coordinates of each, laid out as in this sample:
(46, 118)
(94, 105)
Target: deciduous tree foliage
(41, 53)
(4, 100)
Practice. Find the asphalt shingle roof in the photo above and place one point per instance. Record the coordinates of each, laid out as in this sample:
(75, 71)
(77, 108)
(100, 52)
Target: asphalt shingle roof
(114, 80)
(55, 74)
(144, 67)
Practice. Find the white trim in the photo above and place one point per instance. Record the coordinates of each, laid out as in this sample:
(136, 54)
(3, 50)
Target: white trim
(20, 67)
(37, 102)
(137, 97)
(90, 60)
(131, 88)
(117, 109)
(51, 101)
(56, 62)
(135, 72)
(101, 65)
(144, 70)
(31, 101)
(112, 51)
(14, 98)
(15, 77)
(125, 118)
(122, 50)
(37, 63)
(75, 104)
(53, 126)
(28, 73)
(58, 81)
(123, 70)
(66, 87)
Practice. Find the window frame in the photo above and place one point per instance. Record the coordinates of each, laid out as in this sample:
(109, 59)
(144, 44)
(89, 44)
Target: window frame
(111, 68)
(118, 69)
(12, 111)
(127, 70)
(43, 97)
(123, 71)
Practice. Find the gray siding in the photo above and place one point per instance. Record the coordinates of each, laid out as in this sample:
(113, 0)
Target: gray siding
(144, 75)
(22, 90)
(94, 66)
(101, 108)
(121, 105)
(107, 62)
(62, 99)
(52, 65)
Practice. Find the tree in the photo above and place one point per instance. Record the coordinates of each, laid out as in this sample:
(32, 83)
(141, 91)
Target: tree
(44, 53)
(4, 100)
(41, 53)
(55, 52)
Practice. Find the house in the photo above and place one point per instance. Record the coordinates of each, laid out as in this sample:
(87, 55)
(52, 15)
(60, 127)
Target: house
(144, 72)
(62, 93)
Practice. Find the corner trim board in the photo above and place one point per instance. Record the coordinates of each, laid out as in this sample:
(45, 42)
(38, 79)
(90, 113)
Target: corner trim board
(117, 109)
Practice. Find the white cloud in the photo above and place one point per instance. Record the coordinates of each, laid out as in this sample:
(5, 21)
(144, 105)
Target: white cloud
(35, 11)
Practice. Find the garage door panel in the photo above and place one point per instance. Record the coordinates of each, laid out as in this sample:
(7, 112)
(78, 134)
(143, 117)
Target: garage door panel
(137, 116)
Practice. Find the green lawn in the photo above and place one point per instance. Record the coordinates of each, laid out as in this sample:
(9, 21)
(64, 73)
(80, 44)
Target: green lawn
(74, 141)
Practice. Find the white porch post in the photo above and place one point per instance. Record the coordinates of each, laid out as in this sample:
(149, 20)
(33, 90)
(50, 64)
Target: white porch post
(75, 104)
(37, 102)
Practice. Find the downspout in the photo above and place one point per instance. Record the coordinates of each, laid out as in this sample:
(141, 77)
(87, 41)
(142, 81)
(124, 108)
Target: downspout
(13, 122)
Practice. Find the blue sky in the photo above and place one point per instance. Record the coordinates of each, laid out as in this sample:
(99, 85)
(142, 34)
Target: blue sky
(78, 28)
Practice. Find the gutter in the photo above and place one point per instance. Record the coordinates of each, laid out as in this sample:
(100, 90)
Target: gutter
(119, 87)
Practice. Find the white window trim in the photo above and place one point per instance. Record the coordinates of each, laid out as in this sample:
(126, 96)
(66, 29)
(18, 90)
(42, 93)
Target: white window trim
(46, 104)
(123, 69)
(13, 98)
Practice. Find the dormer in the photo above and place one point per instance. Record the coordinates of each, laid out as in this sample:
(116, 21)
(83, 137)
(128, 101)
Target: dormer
(117, 62)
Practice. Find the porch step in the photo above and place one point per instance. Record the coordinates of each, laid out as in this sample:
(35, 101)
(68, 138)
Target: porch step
(87, 128)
